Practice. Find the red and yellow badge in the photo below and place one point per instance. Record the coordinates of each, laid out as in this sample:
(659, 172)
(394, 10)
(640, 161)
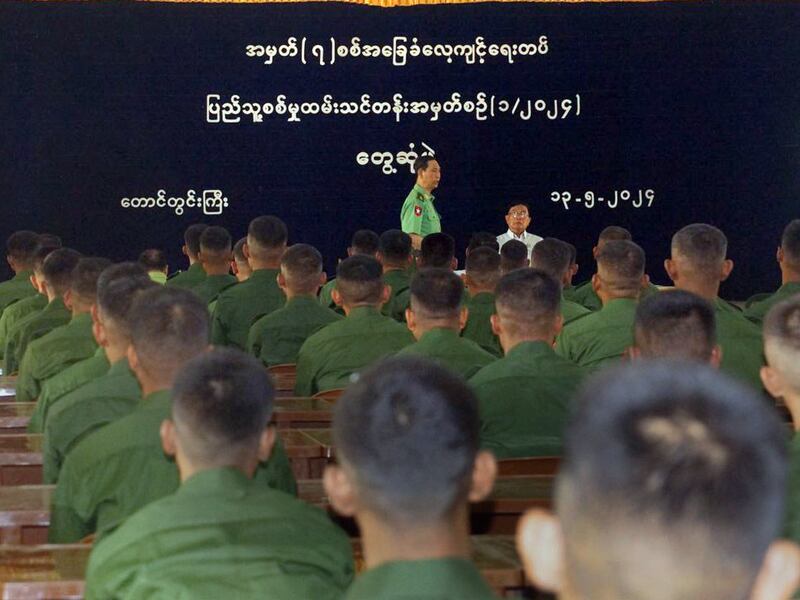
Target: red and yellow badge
(417, 210)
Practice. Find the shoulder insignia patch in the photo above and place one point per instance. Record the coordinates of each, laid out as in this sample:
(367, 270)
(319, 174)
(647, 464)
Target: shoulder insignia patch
(417, 210)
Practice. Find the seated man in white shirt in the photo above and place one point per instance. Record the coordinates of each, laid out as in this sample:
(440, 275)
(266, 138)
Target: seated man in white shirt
(518, 220)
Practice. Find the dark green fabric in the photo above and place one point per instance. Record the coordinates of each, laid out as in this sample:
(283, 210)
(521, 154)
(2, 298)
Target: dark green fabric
(458, 354)
(118, 469)
(435, 579)
(479, 326)
(194, 275)
(277, 337)
(14, 313)
(571, 311)
(329, 357)
(15, 289)
(30, 328)
(601, 337)
(212, 286)
(758, 310)
(585, 295)
(399, 280)
(325, 297)
(741, 343)
(524, 400)
(243, 304)
(221, 535)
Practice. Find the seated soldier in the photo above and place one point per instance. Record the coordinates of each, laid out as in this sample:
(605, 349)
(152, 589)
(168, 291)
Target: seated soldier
(407, 446)
(328, 358)
(68, 344)
(221, 535)
(698, 265)
(239, 265)
(513, 256)
(117, 469)
(366, 242)
(215, 256)
(604, 336)
(20, 251)
(438, 250)
(277, 337)
(154, 261)
(110, 396)
(190, 249)
(678, 325)
(789, 262)
(436, 317)
(54, 277)
(553, 256)
(524, 395)
(394, 253)
(573, 266)
(482, 239)
(482, 274)
(241, 305)
(584, 293)
(672, 488)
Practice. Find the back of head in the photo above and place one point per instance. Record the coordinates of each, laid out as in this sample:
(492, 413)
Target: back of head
(238, 251)
(191, 237)
(365, 241)
(221, 404)
(51, 240)
(42, 252)
(170, 326)
(395, 248)
(216, 241)
(359, 280)
(483, 267)
(83, 286)
(408, 432)
(483, 239)
(528, 301)
(675, 324)
(782, 340)
(437, 250)
(266, 237)
(153, 259)
(552, 256)
(513, 255)
(301, 266)
(57, 269)
(117, 288)
(677, 471)
(620, 266)
(614, 233)
(436, 294)
(790, 244)
(701, 249)
(21, 247)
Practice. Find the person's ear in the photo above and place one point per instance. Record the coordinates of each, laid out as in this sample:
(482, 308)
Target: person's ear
(454, 264)
(672, 271)
(575, 269)
(716, 356)
(645, 281)
(336, 297)
(463, 317)
(540, 544)
(266, 443)
(595, 250)
(185, 250)
(779, 256)
(323, 278)
(133, 359)
(34, 282)
(386, 294)
(773, 381)
(558, 325)
(98, 330)
(234, 267)
(245, 250)
(340, 490)
(484, 472)
(68, 299)
(508, 221)
(596, 283)
(780, 572)
(411, 321)
(727, 267)
(200, 257)
(281, 281)
(168, 438)
(497, 324)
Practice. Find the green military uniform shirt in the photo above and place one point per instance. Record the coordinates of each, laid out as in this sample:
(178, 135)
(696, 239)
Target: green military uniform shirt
(433, 579)
(241, 305)
(16, 288)
(524, 400)
(54, 314)
(15, 313)
(572, 310)
(479, 326)
(604, 336)
(61, 384)
(741, 343)
(328, 358)
(189, 278)
(276, 338)
(212, 286)
(54, 352)
(223, 536)
(585, 295)
(458, 354)
(108, 398)
(418, 215)
(757, 311)
(399, 280)
(325, 297)
(118, 469)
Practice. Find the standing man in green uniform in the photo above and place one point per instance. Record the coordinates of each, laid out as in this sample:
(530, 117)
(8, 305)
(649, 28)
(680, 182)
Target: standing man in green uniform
(409, 463)
(698, 264)
(191, 248)
(482, 275)
(277, 337)
(552, 256)
(436, 318)
(789, 261)
(366, 242)
(604, 336)
(20, 251)
(119, 468)
(395, 256)
(524, 396)
(68, 344)
(675, 472)
(418, 217)
(328, 358)
(215, 256)
(221, 535)
(241, 305)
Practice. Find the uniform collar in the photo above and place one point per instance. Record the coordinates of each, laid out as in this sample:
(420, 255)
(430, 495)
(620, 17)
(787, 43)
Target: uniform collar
(81, 319)
(791, 287)
(425, 193)
(196, 268)
(514, 236)
(482, 298)
(619, 304)
(264, 275)
(439, 333)
(437, 577)
(527, 349)
(157, 400)
(363, 312)
(302, 301)
(227, 480)
(22, 275)
(56, 304)
(120, 367)
(158, 276)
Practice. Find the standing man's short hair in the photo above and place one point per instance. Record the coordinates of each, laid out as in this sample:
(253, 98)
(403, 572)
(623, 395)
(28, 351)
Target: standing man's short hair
(437, 250)
(191, 238)
(421, 163)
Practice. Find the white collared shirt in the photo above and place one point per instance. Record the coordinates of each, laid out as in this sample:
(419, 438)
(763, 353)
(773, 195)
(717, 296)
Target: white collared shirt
(529, 239)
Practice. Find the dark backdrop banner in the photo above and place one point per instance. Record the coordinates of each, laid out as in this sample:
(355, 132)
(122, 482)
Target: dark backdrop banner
(125, 122)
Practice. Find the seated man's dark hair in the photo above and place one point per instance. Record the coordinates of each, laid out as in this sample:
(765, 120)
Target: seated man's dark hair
(216, 240)
(365, 241)
(703, 245)
(614, 233)
(621, 267)
(117, 288)
(21, 246)
(191, 237)
(790, 244)
(436, 293)
(395, 247)
(153, 259)
(57, 269)
(238, 250)
(483, 239)
(483, 266)
(269, 232)
(513, 255)
(359, 280)
(437, 250)
(85, 275)
(552, 256)
(528, 299)
(301, 266)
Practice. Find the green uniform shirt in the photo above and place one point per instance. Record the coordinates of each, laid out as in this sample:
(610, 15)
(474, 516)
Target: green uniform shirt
(16, 288)
(572, 310)
(792, 529)
(418, 215)
(189, 278)
(741, 343)
(54, 314)
(212, 286)
(524, 400)
(106, 399)
(223, 536)
(458, 354)
(400, 282)
(585, 295)
(276, 338)
(435, 579)
(241, 305)
(601, 337)
(757, 311)
(14, 313)
(325, 297)
(58, 386)
(54, 352)
(118, 469)
(328, 358)
(479, 327)
(158, 276)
